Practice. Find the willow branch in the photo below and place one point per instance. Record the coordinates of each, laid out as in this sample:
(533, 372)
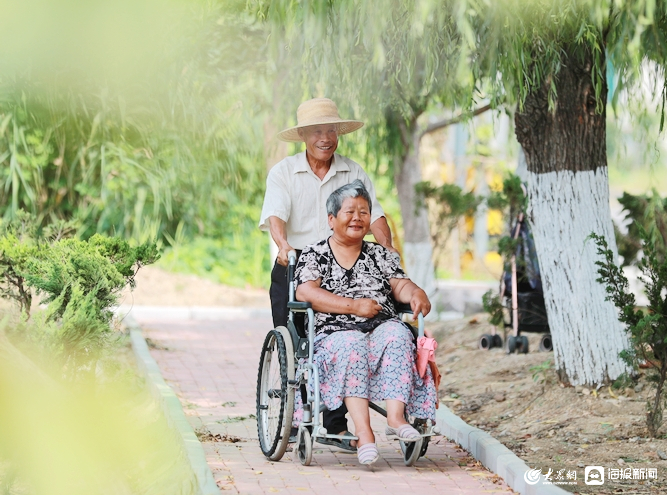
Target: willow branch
(454, 120)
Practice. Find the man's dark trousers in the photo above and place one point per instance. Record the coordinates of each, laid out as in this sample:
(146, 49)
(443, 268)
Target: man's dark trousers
(334, 421)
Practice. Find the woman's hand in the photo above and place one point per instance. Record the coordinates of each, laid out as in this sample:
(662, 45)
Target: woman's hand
(405, 291)
(366, 308)
(419, 303)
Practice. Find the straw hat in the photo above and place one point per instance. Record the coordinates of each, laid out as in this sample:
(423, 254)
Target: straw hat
(315, 112)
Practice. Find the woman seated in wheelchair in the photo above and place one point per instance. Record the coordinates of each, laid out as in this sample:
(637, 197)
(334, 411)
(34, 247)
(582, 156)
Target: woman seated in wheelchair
(362, 350)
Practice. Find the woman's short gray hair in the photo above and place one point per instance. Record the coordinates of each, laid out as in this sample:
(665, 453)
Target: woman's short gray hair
(354, 189)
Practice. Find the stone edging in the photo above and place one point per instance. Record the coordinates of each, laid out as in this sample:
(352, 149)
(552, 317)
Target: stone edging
(492, 454)
(173, 410)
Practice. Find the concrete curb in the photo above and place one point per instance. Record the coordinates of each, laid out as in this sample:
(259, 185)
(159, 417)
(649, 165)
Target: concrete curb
(492, 454)
(173, 410)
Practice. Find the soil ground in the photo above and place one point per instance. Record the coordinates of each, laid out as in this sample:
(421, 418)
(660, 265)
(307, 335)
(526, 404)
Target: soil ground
(516, 398)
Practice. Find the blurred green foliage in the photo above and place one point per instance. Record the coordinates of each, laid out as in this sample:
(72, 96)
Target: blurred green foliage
(493, 305)
(238, 256)
(80, 280)
(100, 434)
(647, 213)
(169, 152)
(512, 199)
(447, 205)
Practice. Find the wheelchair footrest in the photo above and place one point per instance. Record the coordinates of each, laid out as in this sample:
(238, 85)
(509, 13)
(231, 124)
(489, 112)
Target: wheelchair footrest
(339, 437)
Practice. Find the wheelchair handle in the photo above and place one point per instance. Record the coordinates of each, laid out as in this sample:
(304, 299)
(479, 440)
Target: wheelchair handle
(291, 256)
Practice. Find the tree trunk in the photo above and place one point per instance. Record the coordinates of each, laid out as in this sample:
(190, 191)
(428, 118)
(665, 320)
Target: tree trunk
(417, 249)
(568, 190)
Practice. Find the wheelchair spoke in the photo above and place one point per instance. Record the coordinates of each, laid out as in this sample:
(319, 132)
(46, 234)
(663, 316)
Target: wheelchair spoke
(275, 393)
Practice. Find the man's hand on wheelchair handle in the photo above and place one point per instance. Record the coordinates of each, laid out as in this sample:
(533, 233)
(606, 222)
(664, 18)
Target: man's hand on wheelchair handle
(366, 308)
(283, 254)
(419, 303)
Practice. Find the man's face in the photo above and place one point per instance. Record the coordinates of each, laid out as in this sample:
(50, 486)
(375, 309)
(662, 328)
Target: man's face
(321, 141)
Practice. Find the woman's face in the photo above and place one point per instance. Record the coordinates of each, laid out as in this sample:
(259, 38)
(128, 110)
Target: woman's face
(353, 220)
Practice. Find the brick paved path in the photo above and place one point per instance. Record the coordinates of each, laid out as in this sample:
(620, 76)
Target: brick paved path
(212, 367)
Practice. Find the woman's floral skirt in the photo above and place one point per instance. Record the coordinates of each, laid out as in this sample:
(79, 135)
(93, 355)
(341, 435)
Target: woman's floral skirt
(379, 365)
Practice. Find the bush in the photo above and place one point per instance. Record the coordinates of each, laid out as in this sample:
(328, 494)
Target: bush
(493, 305)
(510, 201)
(647, 329)
(80, 280)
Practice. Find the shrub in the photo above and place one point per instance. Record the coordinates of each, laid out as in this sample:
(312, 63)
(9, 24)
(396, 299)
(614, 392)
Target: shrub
(510, 201)
(18, 245)
(493, 305)
(647, 329)
(79, 280)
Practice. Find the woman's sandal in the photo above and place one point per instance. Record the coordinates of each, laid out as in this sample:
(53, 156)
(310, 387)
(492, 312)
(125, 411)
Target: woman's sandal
(405, 433)
(341, 443)
(368, 454)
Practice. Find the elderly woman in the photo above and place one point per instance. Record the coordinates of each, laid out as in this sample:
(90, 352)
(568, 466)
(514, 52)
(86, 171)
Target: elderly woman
(362, 350)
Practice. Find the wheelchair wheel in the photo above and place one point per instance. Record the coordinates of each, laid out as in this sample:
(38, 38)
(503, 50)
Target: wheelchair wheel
(412, 451)
(425, 441)
(275, 399)
(304, 447)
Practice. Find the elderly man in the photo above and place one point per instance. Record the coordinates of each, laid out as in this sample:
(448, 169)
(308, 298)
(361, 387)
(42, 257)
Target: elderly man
(294, 208)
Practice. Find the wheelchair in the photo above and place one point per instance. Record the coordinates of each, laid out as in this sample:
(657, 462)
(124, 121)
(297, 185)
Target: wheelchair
(286, 366)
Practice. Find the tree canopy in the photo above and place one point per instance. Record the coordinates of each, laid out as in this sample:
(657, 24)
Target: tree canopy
(406, 54)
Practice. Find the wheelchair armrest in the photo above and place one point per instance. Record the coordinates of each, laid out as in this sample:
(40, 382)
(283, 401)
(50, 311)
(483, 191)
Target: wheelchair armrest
(403, 308)
(299, 306)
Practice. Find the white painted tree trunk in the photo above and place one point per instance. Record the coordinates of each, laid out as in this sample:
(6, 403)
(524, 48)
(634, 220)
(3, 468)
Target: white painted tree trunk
(565, 207)
(418, 259)
(417, 249)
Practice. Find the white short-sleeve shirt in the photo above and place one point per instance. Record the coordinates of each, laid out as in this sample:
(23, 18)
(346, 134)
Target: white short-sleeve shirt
(297, 196)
